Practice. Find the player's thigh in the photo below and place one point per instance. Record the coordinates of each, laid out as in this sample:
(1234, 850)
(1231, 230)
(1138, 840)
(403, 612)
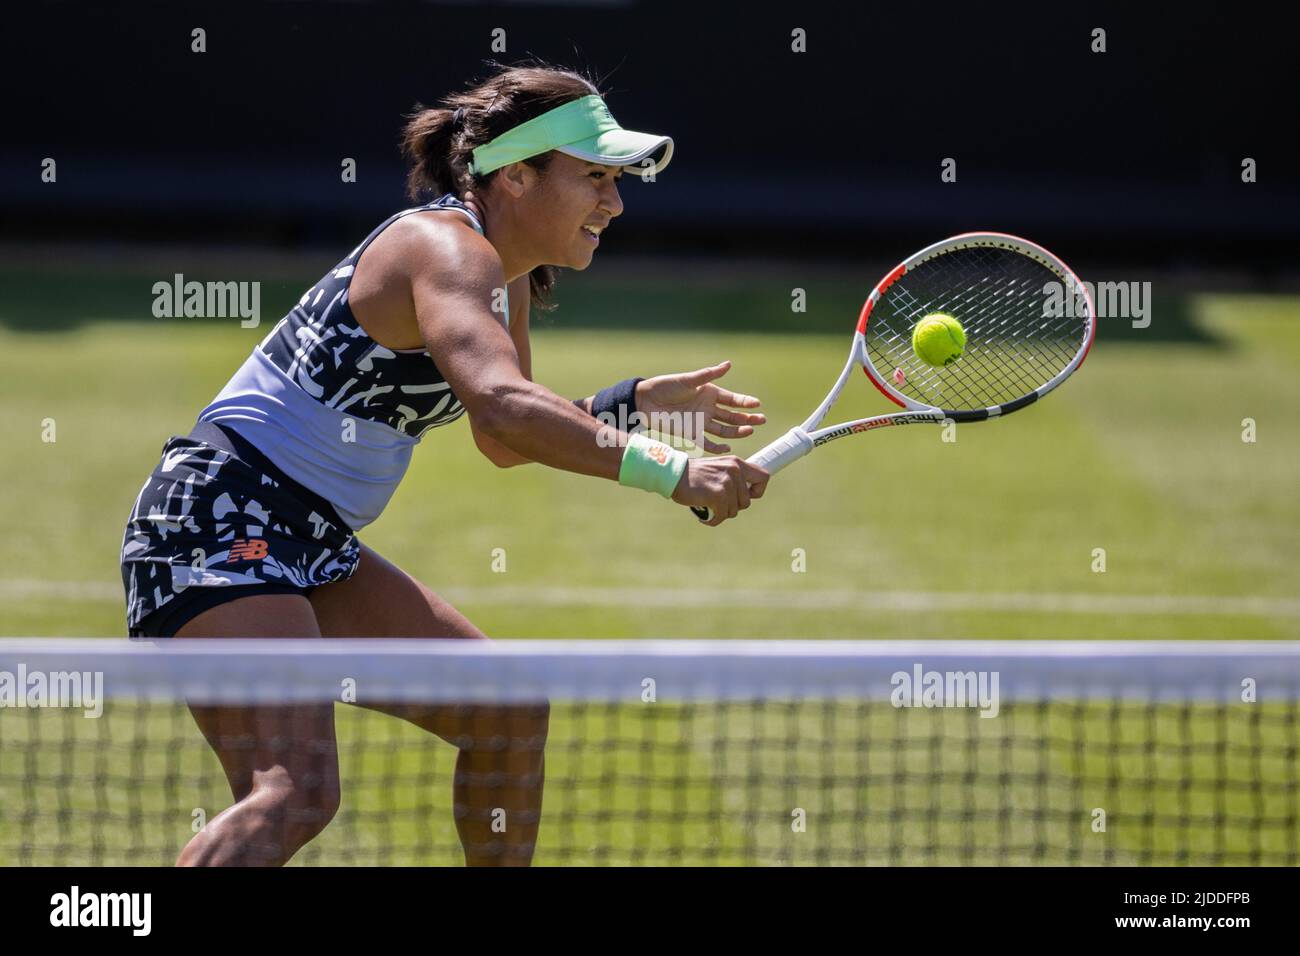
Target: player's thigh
(289, 746)
(257, 616)
(382, 600)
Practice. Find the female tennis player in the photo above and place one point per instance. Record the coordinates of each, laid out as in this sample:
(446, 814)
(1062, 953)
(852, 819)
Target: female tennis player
(247, 527)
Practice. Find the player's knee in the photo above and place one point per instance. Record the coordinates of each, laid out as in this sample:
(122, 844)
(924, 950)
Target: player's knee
(501, 729)
(528, 724)
(538, 721)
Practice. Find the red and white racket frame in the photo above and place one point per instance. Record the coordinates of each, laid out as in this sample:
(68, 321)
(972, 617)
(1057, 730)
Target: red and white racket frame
(802, 439)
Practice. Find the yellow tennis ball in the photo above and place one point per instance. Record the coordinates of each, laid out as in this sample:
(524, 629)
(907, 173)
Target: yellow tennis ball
(938, 339)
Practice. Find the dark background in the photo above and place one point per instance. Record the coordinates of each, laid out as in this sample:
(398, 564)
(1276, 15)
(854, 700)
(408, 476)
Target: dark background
(831, 153)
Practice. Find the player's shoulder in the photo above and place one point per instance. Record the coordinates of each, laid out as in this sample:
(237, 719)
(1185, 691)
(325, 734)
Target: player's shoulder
(440, 241)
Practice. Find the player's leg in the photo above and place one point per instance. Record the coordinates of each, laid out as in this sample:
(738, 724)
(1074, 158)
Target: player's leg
(282, 762)
(500, 766)
(221, 544)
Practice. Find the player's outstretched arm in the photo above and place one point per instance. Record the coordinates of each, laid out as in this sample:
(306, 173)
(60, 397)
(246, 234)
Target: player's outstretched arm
(520, 307)
(454, 281)
(456, 278)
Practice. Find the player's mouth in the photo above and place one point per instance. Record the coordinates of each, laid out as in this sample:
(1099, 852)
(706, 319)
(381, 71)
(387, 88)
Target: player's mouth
(593, 233)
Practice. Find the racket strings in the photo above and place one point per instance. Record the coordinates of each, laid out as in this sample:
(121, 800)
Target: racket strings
(971, 376)
(1016, 340)
(999, 365)
(968, 379)
(987, 299)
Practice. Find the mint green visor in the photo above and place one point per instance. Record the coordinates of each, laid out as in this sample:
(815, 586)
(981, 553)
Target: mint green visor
(583, 129)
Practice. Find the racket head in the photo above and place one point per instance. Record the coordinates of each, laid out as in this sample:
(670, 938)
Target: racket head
(1029, 323)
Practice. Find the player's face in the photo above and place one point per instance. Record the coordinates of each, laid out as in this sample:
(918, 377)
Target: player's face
(580, 199)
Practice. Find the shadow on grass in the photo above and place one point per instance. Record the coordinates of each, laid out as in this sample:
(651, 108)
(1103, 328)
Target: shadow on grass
(1171, 320)
(764, 305)
(54, 302)
(58, 302)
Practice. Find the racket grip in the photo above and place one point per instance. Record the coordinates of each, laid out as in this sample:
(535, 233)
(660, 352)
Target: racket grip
(790, 447)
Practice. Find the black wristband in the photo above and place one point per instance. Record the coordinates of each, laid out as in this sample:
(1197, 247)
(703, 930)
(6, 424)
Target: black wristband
(619, 402)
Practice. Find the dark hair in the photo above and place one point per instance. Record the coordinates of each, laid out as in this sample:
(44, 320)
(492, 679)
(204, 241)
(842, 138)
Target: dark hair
(438, 142)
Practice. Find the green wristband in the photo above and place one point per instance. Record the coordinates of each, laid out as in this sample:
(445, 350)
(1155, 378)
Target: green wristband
(651, 465)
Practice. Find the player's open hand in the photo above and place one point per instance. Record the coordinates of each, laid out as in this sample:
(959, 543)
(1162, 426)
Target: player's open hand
(688, 405)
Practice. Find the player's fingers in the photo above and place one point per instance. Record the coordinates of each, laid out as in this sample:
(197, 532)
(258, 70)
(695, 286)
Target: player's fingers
(753, 473)
(736, 399)
(702, 376)
(739, 418)
(725, 396)
(739, 491)
(727, 431)
(714, 448)
(722, 513)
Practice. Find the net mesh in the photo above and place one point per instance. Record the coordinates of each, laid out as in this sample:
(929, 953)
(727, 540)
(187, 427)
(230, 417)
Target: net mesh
(794, 754)
(1023, 327)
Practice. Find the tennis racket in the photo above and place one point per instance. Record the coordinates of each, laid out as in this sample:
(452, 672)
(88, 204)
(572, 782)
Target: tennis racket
(1028, 320)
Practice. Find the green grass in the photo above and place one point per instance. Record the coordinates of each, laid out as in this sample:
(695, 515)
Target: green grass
(1140, 454)
(904, 536)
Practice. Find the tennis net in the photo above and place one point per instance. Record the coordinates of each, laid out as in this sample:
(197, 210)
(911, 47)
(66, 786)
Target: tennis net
(661, 752)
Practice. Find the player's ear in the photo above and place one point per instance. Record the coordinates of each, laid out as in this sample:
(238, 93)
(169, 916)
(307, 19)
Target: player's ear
(514, 178)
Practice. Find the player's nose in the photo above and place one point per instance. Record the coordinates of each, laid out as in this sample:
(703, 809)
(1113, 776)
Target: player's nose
(612, 202)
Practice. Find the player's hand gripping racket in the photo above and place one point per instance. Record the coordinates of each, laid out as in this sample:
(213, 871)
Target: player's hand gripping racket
(1027, 320)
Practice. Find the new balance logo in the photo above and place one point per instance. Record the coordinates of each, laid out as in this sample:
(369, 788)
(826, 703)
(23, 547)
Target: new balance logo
(247, 549)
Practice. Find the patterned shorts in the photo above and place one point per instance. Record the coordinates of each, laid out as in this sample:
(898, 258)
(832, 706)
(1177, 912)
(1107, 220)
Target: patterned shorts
(217, 521)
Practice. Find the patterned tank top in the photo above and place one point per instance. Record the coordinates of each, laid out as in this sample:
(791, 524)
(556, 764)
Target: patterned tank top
(331, 407)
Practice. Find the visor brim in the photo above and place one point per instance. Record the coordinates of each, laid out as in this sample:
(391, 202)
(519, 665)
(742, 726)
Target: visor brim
(622, 147)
